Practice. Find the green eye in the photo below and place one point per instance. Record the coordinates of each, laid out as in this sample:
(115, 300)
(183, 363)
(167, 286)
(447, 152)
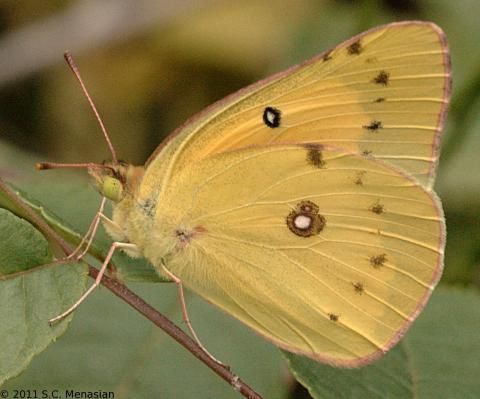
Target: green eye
(112, 189)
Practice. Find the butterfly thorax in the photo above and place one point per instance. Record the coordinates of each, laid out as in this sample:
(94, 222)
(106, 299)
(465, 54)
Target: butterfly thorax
(135, 216)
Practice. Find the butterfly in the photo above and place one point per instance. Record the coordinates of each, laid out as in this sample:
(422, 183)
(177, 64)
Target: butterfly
(302, 205)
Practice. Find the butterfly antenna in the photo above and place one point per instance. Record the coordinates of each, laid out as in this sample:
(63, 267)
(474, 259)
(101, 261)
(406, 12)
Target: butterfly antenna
(54, 165)
(71, 63)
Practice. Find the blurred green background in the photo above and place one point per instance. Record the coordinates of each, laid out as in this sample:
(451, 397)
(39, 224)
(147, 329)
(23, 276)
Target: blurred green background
(149, 65)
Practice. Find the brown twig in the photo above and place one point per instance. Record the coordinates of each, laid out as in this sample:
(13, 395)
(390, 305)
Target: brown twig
(138, 303)
(175, 332)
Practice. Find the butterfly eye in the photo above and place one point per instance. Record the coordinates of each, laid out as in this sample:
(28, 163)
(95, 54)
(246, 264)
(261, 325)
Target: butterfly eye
(112, 188)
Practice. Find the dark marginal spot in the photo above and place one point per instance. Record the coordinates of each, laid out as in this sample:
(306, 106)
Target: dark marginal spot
(327, 56)
(374, 126)
(314, 155)
(382, 78)
(333, 316)
(358, 287)
(377, 208)
(366, 153)
(359, 178)
(304, 220)
(380, 100)
(378, 260)
(355, 48)
(271, 117)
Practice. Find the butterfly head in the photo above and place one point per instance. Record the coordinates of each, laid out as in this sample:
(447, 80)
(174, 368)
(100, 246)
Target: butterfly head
(115, 180)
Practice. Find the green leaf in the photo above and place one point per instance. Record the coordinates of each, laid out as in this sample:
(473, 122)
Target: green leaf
(112, 348)
(33, 289)
(127, 269)
(18, 237)
(438, 358)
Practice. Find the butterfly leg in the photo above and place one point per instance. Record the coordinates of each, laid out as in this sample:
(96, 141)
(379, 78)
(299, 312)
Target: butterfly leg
(90, 234)
(186, 319)
(101, 272)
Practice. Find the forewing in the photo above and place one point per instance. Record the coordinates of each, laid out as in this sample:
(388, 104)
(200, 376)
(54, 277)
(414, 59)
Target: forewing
(382, 93)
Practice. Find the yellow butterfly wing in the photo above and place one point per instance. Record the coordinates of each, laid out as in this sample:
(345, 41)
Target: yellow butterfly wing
(382, 93)
(324, 252)
(302, 205)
